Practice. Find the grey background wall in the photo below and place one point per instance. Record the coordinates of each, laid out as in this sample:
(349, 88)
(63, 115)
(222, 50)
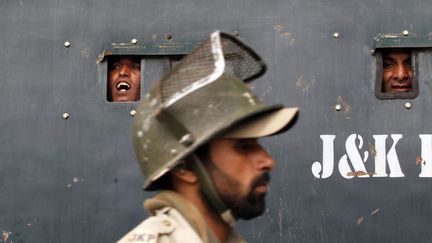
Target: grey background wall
(76, 179)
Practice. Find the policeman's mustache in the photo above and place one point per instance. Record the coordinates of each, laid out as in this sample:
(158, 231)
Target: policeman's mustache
(263, 179)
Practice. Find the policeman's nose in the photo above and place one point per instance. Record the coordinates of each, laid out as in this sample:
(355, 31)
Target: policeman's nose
(266, 162)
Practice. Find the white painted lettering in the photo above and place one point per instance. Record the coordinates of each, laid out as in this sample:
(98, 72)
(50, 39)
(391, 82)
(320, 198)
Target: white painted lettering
(353, 154)
(426, 155)
(391, 157)
(326, 169)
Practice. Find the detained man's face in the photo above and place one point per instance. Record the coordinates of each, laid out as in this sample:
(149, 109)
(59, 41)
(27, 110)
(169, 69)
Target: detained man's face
(397, 71)
(239, 169)
(124, 78)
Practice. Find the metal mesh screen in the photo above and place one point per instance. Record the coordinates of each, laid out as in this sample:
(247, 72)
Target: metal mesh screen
(193, 67)
(205, 64)
(240, 61)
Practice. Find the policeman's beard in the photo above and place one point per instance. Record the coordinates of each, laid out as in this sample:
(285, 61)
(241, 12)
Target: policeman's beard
(246, 206)
(249, 206)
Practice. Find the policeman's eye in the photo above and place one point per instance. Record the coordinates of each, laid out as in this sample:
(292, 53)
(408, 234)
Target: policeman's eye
(245, 145)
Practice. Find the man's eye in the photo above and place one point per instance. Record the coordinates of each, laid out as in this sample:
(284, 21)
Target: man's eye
(114, 66)
(245, 145)
(387, 65)
(408, 63)
(136, 67)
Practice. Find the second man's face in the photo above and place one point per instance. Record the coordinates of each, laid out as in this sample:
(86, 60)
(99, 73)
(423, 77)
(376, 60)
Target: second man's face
(124, 78)
(397, 71)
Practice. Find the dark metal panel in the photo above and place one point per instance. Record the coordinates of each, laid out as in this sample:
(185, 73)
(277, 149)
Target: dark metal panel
(76, 179)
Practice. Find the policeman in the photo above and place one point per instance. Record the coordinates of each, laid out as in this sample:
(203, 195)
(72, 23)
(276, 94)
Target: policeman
(195, 137)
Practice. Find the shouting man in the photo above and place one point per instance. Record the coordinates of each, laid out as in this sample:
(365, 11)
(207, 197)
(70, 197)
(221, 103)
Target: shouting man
(124, 78)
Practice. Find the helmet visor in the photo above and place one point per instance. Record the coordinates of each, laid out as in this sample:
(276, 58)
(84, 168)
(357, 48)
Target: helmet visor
(262, 125)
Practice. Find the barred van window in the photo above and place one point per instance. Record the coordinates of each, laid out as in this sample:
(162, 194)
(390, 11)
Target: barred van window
(396, 76)
(123, 78)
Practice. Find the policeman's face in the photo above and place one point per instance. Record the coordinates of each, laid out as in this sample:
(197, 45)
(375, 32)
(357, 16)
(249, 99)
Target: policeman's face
(124, 76)
(397, 71)
(240, 173)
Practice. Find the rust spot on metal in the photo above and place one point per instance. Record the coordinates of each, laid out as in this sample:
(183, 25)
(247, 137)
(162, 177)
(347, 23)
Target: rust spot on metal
(360, 220)
(345, 106)
(286, 35)
(375, 211)
(419, 160)
(359, 173)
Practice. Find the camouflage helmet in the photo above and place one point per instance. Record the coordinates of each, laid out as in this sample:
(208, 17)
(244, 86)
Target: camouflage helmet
(204, 96)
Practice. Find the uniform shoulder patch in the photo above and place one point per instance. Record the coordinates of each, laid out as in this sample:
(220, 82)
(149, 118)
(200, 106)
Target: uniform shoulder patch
(141, 234)
(150, 229)
(145, 235)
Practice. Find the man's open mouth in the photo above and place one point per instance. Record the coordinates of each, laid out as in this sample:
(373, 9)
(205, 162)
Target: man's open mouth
(123, 86)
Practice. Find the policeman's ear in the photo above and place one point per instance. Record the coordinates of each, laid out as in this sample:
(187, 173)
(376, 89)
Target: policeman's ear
(184, 173)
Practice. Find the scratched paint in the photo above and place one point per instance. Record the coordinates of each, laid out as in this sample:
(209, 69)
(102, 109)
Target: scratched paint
(304, 85)
(360, 220)
(85, 52)
(375, 211)
(5, 235)
(278, 27)
(267, 91)
(372, 150)
(284, 34)
(74, 181)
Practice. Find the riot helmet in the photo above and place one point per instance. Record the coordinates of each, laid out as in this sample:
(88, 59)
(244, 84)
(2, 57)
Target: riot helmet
(205, 96)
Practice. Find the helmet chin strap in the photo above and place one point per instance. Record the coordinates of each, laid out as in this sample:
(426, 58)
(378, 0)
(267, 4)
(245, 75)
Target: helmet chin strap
(210, 192)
